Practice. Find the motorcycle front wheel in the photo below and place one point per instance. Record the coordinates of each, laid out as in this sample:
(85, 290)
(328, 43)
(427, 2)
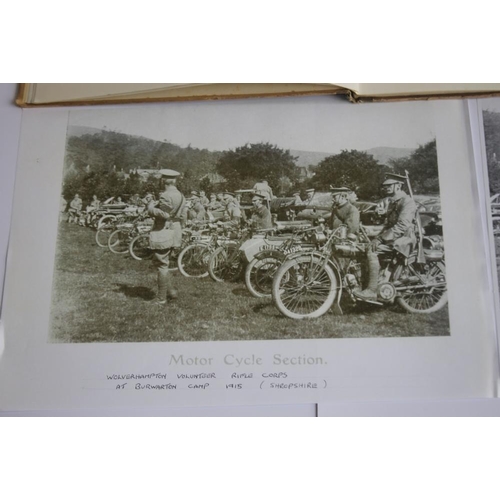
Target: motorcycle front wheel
(139, 247)
(304, 287)
(102, 235)
(421, 287)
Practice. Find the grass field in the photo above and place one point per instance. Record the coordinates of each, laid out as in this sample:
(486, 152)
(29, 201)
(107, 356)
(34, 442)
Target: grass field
(102, 297)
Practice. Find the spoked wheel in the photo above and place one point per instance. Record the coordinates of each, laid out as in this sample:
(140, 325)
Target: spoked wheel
(105, 221)
(259, 276)
(118, 241)
(139, 247)
(103, 234)
(193, 261)
(421, 287)
(305, 287)
(225, 263)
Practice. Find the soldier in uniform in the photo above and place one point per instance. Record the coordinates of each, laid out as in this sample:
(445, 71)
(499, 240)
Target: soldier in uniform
(297, 199)
(75, 207)
(203, 198)
(213, 204)
(232, 212)
(261, 216)
(167, 232)
(263, 189)
(310, 195)
(398, 232)
(197, 212)
(344, 213)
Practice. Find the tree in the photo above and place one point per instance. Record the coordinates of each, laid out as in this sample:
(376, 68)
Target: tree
(422, 167)
(251, 163)
(353, 169)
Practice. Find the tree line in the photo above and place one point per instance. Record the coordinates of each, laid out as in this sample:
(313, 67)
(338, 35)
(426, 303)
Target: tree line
(106, 164)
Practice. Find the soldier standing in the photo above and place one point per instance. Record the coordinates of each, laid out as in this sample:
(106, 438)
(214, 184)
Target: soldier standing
(167, 232)
(398, 232)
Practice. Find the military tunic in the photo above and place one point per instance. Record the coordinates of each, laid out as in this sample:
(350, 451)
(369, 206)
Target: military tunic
(261, 218)
(167, 215)
(400, 217)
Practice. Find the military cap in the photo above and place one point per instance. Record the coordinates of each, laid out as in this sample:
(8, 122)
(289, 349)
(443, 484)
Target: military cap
(296, 194)
(195, 193)
(394, 179)
(311, 190)
(170, 174)
(340, 190)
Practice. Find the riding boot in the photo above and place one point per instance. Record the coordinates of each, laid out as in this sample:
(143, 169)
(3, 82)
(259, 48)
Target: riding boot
(370, 292)
(163, 280)
(171, 291)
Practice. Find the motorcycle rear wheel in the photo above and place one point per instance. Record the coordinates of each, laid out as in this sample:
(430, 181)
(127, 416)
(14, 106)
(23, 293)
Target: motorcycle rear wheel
(193, 261)
(225, 263)
(118, 241)
(304, 288)
(429, 293)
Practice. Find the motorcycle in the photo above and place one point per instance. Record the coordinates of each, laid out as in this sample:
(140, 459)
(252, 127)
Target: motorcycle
(307, 285)
(265, 253)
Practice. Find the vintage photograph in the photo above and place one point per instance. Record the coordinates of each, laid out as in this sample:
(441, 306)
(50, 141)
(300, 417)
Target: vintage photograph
(261, 219)
(491, 125)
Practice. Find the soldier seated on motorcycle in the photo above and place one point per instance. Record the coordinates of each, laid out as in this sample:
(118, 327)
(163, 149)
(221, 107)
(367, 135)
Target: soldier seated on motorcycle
(344, 212)
(398, 232)
(75, 208)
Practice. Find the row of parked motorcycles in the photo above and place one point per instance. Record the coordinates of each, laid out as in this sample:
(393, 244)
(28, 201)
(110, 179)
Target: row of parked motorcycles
(304, 267)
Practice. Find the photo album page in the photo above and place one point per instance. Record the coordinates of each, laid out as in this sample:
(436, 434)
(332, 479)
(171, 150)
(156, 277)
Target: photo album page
(262, 251)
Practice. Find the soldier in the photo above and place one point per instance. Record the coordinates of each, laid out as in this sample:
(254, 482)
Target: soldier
(167, 232)
(135, 200)
(92, 209)
(203, 198)
(344, 213)
(197, 212)
(213, 204)
(261, 216)
(398, 232)
(232, 212)
(263, 189)
(304, 203)
(75, 207)
(297, 199)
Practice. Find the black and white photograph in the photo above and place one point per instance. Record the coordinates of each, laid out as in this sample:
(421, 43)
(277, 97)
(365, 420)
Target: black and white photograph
(267, 219)
(491, 127)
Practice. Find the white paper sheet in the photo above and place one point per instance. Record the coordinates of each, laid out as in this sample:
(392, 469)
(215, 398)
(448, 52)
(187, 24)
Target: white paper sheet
(36, 374)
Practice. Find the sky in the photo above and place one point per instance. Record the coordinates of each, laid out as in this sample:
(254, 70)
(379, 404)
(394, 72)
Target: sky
(324, 123)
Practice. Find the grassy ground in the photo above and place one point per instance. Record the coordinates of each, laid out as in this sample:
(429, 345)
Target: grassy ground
(102, 297)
